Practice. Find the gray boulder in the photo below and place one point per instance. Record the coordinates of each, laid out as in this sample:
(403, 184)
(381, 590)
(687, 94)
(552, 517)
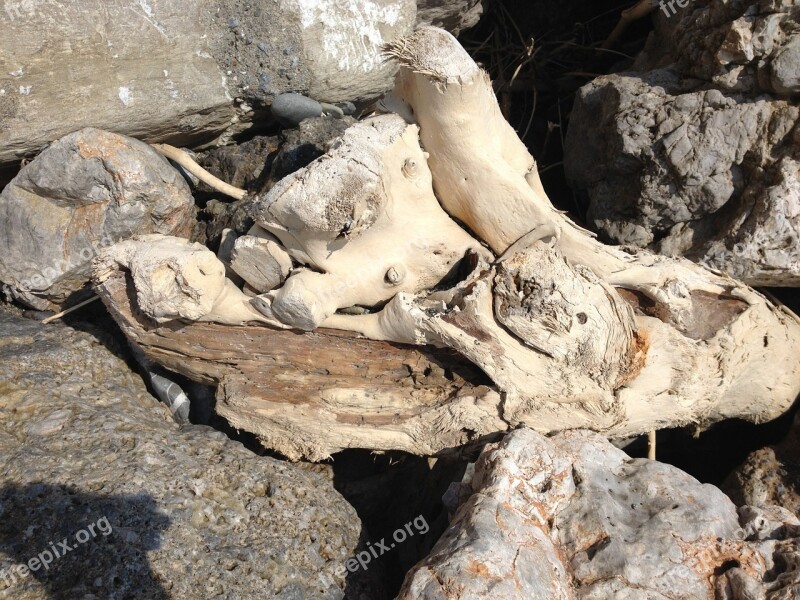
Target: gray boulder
(149, 509)
(190, 72)
(770, 475)
(699, 158)
(737, 45)
(88, 190)
(572, 516)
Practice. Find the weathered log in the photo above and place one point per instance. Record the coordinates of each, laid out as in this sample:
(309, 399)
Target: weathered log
(178, 279)
(366, 222)
(571, 333)
(262, 263)
(312, 394)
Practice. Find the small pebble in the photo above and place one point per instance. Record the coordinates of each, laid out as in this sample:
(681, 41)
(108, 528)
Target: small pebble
(264, 81)
(348, 108)
(290, 109)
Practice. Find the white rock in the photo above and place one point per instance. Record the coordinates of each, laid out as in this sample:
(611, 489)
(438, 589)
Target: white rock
(574, 517)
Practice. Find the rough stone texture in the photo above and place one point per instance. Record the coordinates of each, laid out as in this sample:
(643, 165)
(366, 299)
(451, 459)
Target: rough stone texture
(193, 514)
(696, 158)
(573, 517)
(220, 215)
(241, 165)
(769, 476)
(88, 190)
(188, 72)
(343, 41)
(143, 69)
(307, 142)
(737, 45)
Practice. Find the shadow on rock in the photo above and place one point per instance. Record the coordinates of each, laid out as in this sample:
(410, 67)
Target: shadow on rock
(68, 543)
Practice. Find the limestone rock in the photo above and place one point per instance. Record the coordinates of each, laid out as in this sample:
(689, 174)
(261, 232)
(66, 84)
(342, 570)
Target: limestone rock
(189, 72)
(573, 517)
(770, 475)
(191, 514)
(672, 165)
(87, 191)
(699, 157)
(149, 70)
(736, 45)
(453, 15)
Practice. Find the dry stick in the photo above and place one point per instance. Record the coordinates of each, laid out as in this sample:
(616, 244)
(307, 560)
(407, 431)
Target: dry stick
(780, 304)
(641, 9)
(188, 163)
(651, 445)
(69, 310)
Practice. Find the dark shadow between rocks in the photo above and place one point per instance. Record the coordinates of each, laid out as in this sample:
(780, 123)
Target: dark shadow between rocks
(95, 545)
(394, 492)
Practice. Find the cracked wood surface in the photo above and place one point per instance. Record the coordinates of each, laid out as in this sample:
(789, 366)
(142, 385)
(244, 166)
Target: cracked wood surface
(312, 394)
(569, 333)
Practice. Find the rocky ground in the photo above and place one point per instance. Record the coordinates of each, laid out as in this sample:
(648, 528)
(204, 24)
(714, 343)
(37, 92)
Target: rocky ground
(682, 136)
(191, 513)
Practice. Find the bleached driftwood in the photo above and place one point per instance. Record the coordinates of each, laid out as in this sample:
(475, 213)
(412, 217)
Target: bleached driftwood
(571, 333)
(365, 221)
(312, 394)
(177, 279)
(262, 263)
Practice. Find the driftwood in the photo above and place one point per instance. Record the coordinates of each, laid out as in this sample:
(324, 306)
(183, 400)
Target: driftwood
(310, 394)
(565, 331)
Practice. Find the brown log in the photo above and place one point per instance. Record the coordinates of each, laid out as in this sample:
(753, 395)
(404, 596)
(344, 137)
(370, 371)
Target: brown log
(308, 395)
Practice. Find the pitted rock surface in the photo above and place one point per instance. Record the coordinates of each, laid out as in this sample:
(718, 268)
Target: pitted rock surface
(192, 514)
(694, 151)
(571, 516)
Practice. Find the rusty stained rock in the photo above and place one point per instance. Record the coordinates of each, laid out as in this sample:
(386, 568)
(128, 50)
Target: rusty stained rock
(572, 516)
(87, 191)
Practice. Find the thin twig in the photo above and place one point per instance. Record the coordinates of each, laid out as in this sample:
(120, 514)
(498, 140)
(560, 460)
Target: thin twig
(544, 170)
(651, 445)
(639, 10)
(188, 163)
(533, 112)
(69, 310)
